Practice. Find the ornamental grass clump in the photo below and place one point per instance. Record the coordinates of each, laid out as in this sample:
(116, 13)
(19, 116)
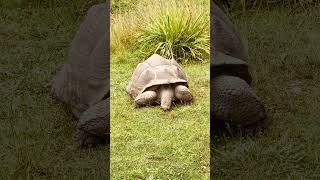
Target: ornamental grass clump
(178, 34)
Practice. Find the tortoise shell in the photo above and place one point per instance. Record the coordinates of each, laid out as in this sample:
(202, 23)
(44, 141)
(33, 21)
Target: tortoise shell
(229, 53)
(84, 79)
(155, 71)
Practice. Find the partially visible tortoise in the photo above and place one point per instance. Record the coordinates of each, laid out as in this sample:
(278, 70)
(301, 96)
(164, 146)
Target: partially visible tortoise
(159, 80)
(232, 99)
(83, 82)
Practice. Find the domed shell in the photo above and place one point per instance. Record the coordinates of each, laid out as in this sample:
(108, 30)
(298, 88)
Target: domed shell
(228, 52)
(156, 70)
(83, 80)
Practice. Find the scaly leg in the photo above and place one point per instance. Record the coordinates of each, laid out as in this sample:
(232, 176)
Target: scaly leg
(145, 98)
(182, 93)
(93, 125)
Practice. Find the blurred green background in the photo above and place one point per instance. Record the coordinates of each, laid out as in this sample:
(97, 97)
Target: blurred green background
(37, 133)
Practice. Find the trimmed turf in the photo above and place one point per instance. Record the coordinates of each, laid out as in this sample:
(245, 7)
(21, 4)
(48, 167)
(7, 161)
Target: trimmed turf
(148, 142)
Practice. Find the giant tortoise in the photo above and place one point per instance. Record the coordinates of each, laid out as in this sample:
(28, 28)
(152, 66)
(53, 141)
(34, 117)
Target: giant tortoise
(159, 80)
(83, 82)
(232, 99)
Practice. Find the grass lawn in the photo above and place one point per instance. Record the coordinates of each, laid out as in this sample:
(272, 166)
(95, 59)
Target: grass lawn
(148, 143)
(37, 132)
(284, 48)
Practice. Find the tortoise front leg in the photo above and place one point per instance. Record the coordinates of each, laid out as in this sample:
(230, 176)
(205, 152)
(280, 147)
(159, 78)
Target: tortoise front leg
(145, 98)
(93, 125)
(182, 93)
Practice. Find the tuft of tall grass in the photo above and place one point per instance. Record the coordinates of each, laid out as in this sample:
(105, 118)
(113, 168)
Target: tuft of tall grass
(177, 34)
(172, 28)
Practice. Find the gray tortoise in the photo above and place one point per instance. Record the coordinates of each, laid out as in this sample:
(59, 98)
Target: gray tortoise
(232, 99)
(159, 80)
(83, 82)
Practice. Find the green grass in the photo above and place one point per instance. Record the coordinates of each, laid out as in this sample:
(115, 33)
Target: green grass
(178, 33)
(284, 53)
(148, 143)
(37, 132)
(170, 28)
(118, 6)
(245, 5)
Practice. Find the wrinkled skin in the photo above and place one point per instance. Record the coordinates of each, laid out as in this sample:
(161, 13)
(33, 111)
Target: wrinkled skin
(232, 99)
